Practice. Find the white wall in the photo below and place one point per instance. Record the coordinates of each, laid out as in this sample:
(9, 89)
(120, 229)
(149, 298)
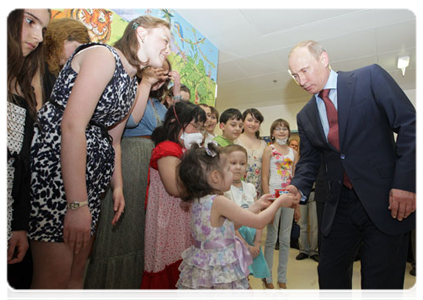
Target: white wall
(411, 94)
(289, 112)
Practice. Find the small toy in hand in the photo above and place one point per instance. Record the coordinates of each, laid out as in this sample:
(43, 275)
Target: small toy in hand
(278, 192)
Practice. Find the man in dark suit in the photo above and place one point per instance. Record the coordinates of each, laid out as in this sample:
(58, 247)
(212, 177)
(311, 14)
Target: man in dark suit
(349, 124)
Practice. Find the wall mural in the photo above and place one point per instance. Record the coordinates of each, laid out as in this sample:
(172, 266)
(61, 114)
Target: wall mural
(193, 56)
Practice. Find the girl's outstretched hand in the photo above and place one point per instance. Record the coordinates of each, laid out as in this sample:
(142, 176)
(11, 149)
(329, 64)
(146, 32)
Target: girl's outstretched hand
(265, 201)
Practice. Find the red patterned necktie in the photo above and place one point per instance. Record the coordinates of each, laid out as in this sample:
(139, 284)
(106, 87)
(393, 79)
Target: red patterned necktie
(333, 135)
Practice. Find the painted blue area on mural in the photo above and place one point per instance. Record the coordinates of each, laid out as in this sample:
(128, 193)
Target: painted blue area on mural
(186, 40)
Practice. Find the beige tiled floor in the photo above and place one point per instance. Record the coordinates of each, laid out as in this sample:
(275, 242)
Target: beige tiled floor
(302, 274)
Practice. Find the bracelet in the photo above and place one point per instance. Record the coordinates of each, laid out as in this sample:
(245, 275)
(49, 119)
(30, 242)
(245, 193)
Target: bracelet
(76, 205)
(179, 97)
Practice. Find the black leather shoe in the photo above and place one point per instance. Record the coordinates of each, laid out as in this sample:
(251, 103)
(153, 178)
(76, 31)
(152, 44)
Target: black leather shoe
(413, 272)
(315, 257)
(301, 256)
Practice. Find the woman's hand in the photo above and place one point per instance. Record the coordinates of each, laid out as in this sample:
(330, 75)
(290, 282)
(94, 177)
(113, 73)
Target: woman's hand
(118, 205)
(17, 247)
(150, 76)
(77, 228)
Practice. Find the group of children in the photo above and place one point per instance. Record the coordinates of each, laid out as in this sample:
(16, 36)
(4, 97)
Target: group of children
(204, 221)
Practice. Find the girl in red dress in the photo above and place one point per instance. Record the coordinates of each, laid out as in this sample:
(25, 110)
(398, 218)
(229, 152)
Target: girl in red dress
(167, 226)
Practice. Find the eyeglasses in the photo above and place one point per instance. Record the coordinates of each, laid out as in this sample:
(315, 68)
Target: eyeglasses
(198, 126)
(281, 129)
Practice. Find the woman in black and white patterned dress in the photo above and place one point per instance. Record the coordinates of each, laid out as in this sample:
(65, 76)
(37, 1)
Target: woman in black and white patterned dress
(76, 149)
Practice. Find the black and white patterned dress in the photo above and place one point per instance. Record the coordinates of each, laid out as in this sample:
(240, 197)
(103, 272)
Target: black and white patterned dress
(48, 199)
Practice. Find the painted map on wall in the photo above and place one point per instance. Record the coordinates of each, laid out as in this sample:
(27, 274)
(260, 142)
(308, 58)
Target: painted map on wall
(193, 56)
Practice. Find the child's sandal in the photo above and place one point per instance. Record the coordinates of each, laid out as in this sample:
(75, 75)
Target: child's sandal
(269, 293)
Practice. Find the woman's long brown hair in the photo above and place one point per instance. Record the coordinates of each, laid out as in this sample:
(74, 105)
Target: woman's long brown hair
(21, 70)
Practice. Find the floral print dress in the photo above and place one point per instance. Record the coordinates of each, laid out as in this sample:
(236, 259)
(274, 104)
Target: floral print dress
(217, 268)
(280, 169)
(253, 173)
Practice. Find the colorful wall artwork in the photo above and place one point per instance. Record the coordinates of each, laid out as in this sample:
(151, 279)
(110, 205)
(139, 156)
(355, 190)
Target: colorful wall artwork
(193, 56)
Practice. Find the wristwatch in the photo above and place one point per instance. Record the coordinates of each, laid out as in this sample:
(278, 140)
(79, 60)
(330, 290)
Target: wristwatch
(76, 205)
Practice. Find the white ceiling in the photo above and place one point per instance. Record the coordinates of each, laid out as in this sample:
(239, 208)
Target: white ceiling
(254, 44)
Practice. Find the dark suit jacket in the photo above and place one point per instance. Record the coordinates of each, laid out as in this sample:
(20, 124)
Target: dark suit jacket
(321, 186)
(371, 106)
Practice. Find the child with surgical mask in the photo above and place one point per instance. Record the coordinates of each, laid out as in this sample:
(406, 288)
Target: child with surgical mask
(278, 166)
(167, 225)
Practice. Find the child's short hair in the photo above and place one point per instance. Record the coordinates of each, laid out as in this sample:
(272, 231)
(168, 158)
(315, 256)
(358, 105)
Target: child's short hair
(177, 117)
(279, 122)
(233, 148)
(194, 168)
(230, 114)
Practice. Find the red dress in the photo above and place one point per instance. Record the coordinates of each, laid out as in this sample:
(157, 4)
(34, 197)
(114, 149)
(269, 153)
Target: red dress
(167, 226)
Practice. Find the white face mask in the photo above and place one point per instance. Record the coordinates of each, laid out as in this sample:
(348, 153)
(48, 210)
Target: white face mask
(281, 142)
(191, 138)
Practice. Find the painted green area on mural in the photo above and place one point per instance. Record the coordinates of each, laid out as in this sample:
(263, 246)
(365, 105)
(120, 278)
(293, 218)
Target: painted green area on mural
(118, 27)
(193, 75)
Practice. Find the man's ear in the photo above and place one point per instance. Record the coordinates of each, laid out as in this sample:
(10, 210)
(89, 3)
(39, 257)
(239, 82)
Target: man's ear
(221, 126)
(324, 59)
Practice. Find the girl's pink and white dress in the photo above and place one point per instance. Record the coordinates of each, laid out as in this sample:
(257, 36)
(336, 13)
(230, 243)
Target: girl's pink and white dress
(167, 226)
(217, 260)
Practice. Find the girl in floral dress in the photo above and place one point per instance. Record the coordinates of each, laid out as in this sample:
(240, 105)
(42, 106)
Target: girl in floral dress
(278, 167)
(251, 141)
(217, 259)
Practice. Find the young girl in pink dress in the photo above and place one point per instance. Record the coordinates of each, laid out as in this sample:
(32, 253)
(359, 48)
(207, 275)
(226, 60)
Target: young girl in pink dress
(217, 259)
(167, 229)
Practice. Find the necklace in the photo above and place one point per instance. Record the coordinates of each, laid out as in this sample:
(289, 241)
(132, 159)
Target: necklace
(239, 192)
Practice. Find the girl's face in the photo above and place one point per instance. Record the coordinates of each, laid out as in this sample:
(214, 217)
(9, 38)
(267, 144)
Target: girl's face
(192, 127)
(34, 24)
(69, 48)
(238, 165)
(251, 124)
(155, 46)
(208, 115)
(280, 132)
(212, 124)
